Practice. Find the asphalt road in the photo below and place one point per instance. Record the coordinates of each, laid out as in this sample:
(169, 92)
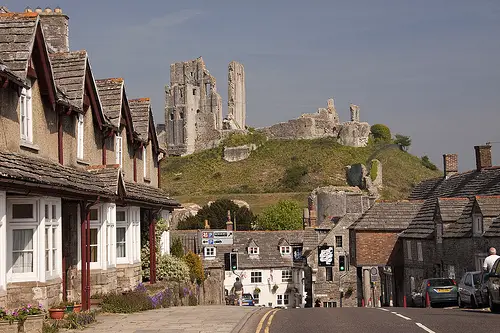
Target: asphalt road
(373, 320)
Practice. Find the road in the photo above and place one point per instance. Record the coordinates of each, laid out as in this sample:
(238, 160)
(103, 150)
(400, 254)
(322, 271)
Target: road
(372, 320)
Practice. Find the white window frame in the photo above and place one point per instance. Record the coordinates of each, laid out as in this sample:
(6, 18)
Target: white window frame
(252, 250)
(209, 252)
(145, 161)
(135, 234)
(119, 150)
(3, 240)
(256, 277)
(408, 249)
(26, 114)
(477, 224)
(286, 275)
(128, 236)
(80, 137)
(285, 250)
(38, 223)
(279, 299)
(420, 255)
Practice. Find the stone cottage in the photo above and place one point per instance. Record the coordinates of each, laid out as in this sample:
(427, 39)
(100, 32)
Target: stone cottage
(79, 167)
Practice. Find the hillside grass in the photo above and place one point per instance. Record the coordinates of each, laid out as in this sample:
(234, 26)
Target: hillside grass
(284, 169)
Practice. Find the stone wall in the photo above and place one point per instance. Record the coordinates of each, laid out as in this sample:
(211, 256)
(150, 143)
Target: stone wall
(212, 289)
(236, 102)
(128, 276)
(3, 299)
(240, 153)
(24, 293)
(101, 281)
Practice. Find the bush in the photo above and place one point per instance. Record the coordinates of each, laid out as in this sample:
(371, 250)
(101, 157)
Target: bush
(381, 133)
(403, 141)
(284, 215)
(426, 162)
(373, 170)
(177, 250)
(172, 269)
(78, 320)
(294, 175)
(133, 301)
(240, 139)
(195, 265)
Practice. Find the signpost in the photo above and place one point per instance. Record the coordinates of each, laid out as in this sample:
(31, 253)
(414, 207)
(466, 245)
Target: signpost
(217, 237)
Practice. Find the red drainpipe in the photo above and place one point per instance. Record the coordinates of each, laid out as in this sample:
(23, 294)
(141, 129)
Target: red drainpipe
(104, 150)
(83, 250)
(88, 260)
(64, 282)
(152, 251)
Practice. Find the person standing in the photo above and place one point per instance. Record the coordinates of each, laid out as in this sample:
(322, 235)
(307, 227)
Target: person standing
(490, 260)
(238, 290)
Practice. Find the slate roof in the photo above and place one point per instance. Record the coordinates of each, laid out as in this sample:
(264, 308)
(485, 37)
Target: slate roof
(69, 73)
(110, 176)
(141, 111)
(489, 205)
(451, 208)
(38, 171)
(146, 193)
(384, 215)
(111, 96)
(17, 36)
(7, 73)
(462, 185)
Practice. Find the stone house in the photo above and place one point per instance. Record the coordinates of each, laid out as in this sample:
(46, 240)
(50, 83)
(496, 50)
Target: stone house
(376, 251)
(72, 205)
(456, 224)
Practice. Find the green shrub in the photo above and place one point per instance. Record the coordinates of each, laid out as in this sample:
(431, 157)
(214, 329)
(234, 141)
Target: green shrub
(374, 170)
(294, 175)
(195, 265)
(133, 301)
(284, 215)
(240, 139)
(78, 320)
(177, 250)
(172, 269)
(381, 132)
(426, 162)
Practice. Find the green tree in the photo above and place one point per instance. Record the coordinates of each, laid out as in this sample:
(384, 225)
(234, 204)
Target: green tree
(381, 133)
(195, 265)
(177, 250)
(216, 214)
(426, 162)
(403, 141)
(284, 215)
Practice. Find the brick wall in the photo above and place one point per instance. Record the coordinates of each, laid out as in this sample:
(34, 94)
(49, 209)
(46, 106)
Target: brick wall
(376, 248)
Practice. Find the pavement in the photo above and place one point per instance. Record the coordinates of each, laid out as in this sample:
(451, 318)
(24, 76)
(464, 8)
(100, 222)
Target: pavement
(182, 319)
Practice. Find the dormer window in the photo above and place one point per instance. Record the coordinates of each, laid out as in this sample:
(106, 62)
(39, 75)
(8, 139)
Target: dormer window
(79, 150)
(285, 250)
(253, 250)
(26, 115)
(477, 225)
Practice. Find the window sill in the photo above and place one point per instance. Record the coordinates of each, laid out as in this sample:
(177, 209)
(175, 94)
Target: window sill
(82, 162)
(147, 180)
(29, 145)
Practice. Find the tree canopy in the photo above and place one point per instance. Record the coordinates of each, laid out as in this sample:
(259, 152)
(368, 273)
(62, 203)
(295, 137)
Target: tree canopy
(284, 215)
(403, 141)
(216, 214)
(381, 132)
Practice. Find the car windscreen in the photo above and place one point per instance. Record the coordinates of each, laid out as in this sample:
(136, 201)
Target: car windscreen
(441, 282)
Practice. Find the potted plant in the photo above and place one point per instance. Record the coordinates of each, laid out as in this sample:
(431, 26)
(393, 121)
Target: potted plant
(58, 311)
(96, 299)
(275, 289)
(77, 307)
(27, 319)
(256, 290)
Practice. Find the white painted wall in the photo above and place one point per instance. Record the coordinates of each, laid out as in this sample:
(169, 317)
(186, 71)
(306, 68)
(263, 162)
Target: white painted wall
(270, 277)
(3, 241)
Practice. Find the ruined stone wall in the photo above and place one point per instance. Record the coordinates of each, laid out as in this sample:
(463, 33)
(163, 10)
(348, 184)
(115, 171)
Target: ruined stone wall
(236, 94)
(240, 153)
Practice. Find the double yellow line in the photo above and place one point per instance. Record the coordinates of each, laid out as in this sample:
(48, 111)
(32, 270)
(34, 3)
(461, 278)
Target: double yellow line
(269, 321)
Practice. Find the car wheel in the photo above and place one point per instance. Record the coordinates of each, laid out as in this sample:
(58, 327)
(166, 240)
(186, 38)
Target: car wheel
(473, 303)
(460, 303)
(493, 307)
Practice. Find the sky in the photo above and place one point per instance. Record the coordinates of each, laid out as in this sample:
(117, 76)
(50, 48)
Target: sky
(429, 69)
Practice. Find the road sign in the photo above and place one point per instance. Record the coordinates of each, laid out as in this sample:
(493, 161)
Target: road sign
(217, 237)
(374, 274)
(325, 256)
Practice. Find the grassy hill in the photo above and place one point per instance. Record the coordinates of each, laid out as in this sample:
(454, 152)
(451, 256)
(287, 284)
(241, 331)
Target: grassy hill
(282, 169)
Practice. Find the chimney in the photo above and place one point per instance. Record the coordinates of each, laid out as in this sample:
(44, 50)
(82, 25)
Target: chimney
(450, 165)
(207, 225)
(55, 29)
(229, 223)
(483, 157)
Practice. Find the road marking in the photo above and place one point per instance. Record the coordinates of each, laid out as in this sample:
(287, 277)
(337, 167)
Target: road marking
(425, 328)
(269, 321)
(400, 315)
(383, 309)
(261, 322)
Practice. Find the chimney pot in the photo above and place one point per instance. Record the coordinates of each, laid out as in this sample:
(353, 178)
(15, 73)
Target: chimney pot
(28, 10)
(48, 10)
(450, 164)
(58, 10)
(38, 10)
(483, 157)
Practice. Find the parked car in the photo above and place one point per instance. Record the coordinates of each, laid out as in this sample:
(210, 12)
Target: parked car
(248, 300)
(473, 290)
(440, 291)
(494, 287)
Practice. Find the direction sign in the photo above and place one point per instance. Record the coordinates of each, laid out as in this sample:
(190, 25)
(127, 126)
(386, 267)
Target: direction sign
(217, 237)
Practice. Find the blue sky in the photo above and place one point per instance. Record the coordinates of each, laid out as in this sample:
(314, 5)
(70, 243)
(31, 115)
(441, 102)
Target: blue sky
(429, 69)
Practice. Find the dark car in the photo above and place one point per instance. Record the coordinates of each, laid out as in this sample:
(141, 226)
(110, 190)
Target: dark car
(473, 290)
(494, 287)
(438, 290)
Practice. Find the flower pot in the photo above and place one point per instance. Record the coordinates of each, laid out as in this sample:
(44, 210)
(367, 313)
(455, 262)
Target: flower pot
(57, 313)
(34, 324)
(69, 308)
(77, 308)
(6, 327)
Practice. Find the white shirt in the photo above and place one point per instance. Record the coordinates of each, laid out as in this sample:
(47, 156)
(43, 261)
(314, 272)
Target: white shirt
(489, 262)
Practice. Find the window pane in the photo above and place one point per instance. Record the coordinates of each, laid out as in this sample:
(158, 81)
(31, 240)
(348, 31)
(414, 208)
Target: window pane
(47, 247)
(120, 216)
(54, 249)
(54, 212)
(22, 250)
(94, 216)
(47, 212)
(22, 211)
(93, 236)
(93, 245)
(120, 242)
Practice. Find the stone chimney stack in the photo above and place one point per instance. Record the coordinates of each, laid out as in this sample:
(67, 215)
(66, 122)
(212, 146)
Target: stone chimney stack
(450, 165)
(229, 223)
(207, 225)
(55, 29)
(483, 157)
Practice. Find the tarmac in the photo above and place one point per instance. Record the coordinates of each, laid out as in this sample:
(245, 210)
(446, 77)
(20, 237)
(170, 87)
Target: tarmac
(183, 319)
